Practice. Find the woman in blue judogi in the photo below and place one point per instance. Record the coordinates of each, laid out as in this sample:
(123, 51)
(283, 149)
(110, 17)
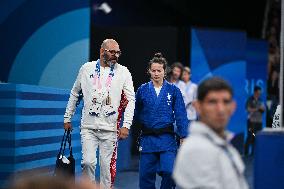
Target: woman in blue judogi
(159, 105)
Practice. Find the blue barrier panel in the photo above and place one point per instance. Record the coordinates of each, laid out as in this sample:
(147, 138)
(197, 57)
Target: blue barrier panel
(222, 53)
(269, 160)
(31, 129)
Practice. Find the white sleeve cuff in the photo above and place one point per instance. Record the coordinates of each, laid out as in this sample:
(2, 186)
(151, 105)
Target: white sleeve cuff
(126, 125)
(67, 120)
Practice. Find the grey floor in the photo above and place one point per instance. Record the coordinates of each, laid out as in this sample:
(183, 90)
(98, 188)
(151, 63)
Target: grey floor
(129, 179)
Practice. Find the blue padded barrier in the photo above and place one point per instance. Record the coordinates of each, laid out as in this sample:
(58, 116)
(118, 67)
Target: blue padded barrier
(269, 160)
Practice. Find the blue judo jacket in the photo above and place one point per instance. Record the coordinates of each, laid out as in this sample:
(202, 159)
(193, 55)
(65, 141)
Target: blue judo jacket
(160, 111)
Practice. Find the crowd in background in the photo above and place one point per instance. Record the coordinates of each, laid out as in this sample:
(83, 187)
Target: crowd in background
(272, 35)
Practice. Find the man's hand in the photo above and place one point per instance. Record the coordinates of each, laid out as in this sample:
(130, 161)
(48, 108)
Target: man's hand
(251, 110)
(68, 126)
(261, 109)
(123, 133)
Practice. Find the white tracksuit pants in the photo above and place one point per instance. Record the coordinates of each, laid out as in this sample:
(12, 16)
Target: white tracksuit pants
(91, 139)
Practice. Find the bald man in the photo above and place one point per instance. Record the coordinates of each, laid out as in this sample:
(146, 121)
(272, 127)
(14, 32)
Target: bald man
(102, 82)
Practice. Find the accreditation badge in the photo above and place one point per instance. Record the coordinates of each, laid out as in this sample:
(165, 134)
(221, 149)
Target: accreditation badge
(108, 109)
(97, 102)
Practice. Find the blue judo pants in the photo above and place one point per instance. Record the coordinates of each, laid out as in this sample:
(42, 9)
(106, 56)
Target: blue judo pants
(153, 163)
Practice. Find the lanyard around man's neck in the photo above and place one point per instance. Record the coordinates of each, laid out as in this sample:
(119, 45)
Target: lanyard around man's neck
(97, 80)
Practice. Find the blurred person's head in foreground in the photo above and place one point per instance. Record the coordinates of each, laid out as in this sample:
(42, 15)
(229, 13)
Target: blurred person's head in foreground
(50, 182)
(215, 104)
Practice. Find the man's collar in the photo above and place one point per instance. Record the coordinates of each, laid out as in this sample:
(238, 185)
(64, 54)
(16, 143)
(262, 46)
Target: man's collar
(198, 127)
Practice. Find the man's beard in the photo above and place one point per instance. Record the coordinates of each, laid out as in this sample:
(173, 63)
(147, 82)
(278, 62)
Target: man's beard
(109, 61)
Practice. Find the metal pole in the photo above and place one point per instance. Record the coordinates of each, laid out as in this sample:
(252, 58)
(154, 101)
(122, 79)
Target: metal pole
(265, 20)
